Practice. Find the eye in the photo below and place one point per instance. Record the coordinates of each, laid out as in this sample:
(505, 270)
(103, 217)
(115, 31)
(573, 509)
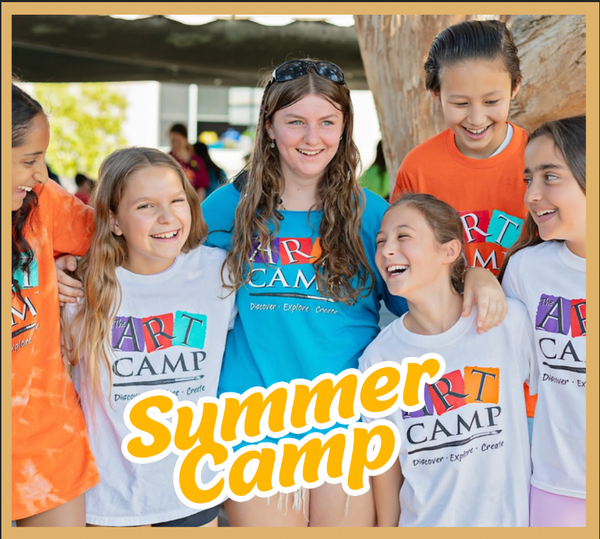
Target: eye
(551, 176)
(296, 122)
(181, 199)
(527, 180)
(460, 104)
(143, 206)
(400, 236)
(495, 102)
(30, 163)
(379, 241)
(327, 122)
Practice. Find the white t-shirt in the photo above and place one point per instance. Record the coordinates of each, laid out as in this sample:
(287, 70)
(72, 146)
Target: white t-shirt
(169, 333)
(550, 280)
(465, 455)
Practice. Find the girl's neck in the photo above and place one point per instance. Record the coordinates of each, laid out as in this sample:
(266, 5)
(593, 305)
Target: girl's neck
(577, 248)
(433, 311)
(299, 196)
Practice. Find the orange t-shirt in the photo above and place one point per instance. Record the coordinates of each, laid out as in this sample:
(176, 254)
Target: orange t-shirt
(487, 193)
(51, 458)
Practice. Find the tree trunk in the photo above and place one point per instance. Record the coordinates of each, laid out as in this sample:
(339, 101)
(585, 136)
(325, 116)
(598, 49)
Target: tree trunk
(395, 47)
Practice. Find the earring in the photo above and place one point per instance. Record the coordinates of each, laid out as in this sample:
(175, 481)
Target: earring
(272, 144)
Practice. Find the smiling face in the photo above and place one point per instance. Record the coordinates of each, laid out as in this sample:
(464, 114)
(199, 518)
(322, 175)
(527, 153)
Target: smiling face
(409, 257)
(475, 96)
(307, 135)
(28, 165)
(553, 197)
(154, 217)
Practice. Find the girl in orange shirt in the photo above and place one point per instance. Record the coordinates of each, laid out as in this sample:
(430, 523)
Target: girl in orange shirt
(52, 465)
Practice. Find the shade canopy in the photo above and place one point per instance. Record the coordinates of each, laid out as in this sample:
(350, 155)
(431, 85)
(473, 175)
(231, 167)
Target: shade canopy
(95, 48)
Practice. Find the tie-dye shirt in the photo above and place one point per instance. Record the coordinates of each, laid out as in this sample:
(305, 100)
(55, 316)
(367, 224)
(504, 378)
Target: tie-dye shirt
(51, 458)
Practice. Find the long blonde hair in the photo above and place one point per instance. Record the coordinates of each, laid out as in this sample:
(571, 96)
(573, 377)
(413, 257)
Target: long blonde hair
(257, 217)
(87, 336)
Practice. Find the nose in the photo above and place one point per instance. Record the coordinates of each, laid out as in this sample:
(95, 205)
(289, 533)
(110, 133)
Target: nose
(534, 192)
(311, 134)
(166, 214)
(476, 116)
(40, 174)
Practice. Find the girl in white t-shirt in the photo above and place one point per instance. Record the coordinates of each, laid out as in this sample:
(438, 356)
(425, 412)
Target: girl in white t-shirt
(464, 457)
(155, 316)
(546, 269)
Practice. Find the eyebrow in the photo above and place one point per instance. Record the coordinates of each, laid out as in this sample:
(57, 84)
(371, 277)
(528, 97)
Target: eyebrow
(396, 228)
(143, 198)
(32, 154)
(296, 115)
(457, 96)
(545, 166)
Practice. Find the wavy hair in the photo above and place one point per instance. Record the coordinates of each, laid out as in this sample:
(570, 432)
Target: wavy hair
(342, 269)
(569, 137)
(24, 110)
(88, 333)
(446, 225)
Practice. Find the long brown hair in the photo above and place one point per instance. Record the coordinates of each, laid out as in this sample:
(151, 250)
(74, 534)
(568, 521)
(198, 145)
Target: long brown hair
(446, 225)
(568, 135)
(88, 333)
(342, 257)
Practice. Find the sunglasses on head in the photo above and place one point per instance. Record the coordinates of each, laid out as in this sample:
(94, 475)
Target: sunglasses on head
(295, 69)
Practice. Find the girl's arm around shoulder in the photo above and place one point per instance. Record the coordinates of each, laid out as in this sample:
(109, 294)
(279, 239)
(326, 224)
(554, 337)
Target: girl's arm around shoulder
(218, 211)
(71, 222)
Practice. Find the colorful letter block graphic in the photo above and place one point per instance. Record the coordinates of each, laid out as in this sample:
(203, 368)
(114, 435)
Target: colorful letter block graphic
(286, 251)
(448, 393)
(455, 389)
(553, 314)
(158, 331)
(131, 334)
(578, 318)
(475, 225)
(503, 229)
(190, 329)
(31, 278)
(128, 334)
(482, 384)
(295, 250)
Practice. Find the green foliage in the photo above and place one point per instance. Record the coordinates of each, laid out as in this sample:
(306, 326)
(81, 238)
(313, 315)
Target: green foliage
(85, 125)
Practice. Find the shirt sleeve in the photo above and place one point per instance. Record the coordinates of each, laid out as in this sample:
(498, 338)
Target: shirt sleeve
(512, 285)
(403, 183)
(71, 221)
(218, 211)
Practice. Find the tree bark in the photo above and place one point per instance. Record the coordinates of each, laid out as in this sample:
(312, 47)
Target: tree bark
(395, 47)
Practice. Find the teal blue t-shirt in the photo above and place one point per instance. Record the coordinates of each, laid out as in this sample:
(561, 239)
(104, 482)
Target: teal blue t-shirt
(285, 328)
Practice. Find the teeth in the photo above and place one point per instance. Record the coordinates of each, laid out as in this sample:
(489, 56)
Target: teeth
(546, 212)
(397, 269)
(165, 236)
(305, 152)
(476, 131)
(24, 188)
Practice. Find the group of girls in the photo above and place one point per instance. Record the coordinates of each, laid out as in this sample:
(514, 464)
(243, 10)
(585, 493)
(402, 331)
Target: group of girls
(280, 276)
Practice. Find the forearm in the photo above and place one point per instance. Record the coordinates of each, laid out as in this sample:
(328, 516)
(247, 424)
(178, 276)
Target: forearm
(386, 492)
